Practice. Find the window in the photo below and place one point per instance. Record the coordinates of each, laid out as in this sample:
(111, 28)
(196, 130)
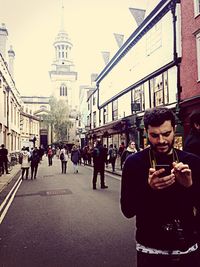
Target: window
(11, 110)
(115, 109)
(159, 90)
(5, 103)
(105, 115)
(94, 119)
(154, 39)
(138, 96)
(89, 121)
(63, 90)
(198, 54)
(196, 7)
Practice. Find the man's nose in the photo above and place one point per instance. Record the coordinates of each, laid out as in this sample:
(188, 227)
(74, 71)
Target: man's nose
(161, 139)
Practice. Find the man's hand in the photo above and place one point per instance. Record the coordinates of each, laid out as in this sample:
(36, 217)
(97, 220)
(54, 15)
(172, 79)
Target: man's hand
(183, 174)
(157, 182)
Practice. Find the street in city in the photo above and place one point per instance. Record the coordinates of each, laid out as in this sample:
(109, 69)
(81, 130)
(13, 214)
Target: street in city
(58, 220)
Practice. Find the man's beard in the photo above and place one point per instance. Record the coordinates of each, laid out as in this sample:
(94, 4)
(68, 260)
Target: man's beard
(155, 147)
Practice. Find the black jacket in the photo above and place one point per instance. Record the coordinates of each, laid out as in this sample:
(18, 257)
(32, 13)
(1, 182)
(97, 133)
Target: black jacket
(192, 143)
(155, 208)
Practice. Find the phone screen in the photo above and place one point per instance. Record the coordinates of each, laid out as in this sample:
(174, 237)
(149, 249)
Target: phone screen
(163, 166)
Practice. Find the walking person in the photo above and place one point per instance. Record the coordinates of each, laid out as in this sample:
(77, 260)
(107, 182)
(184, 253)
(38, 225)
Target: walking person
(99, 164)
(112, 152)
(85, 156)
(192, 142)
(106, 154)
(25, 161)
(35, 159)
(41, 152)
(121, 149)
(75, 157)
(50, 156)
(131, 149)
(161, 186)
(64, 159)
(4, 159)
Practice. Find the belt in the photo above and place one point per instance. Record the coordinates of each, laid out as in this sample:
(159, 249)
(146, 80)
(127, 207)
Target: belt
(148, 250)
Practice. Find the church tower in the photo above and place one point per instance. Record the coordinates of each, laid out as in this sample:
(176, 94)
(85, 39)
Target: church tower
(62, 72)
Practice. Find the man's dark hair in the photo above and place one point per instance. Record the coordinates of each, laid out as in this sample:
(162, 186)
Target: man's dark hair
(195, 118)
(157, 116)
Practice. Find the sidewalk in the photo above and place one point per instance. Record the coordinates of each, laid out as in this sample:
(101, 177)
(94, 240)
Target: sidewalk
(5, 179)
(108, 168)
(117, 170)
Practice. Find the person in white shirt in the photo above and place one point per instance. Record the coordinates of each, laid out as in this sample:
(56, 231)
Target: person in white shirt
(64, 158)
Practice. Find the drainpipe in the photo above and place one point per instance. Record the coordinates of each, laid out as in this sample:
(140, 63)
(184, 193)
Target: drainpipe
(179, 128)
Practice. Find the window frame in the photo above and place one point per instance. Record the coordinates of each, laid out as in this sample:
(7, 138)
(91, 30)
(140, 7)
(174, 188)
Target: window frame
(196, 8)
(198, 55)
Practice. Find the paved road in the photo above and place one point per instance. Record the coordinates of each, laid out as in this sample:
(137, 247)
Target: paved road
(59, 221)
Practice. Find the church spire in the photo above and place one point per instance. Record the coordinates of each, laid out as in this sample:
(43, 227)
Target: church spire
(62, 24)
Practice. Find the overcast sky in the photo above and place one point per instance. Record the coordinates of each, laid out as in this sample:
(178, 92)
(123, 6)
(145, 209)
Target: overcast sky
(33, 25)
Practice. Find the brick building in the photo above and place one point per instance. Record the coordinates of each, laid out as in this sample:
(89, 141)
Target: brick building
(190, 62)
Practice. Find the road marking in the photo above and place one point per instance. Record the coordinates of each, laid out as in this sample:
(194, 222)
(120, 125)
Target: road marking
(13, 191)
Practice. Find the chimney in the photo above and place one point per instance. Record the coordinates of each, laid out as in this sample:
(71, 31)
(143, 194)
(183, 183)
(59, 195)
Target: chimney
(11, 55)
(3, 40)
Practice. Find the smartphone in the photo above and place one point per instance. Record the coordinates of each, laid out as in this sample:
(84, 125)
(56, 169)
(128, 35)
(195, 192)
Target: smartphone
(163, 166)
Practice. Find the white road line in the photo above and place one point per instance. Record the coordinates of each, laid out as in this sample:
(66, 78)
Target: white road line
(11, 199)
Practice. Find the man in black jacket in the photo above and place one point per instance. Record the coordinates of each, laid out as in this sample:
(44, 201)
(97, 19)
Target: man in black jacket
(163, 200)
(4, 158)
(99, 164)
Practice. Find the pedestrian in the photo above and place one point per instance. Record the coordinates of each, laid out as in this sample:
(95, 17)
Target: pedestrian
(112, 153)
(4, 159)
(89, 154)
(98, 164)
(131, 149)
(24, 159)
(35, 159)
(80, 155)
(85, 156)
(41, 152)
(50, 156)
(106, 155)
(192, 142)
(162, 200)
(75, 157)
(121, 149)
(64, 158)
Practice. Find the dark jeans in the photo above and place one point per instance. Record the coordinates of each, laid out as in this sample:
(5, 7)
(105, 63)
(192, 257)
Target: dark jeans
(149, 260)
(64, 166)
(95, 173)
(50, 160)
(5, 166)
(112, 161)
(34, 168)
(23, 172)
